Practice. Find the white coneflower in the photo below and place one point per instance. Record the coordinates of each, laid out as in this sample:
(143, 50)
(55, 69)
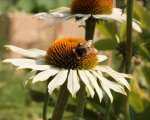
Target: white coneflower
(85, 9)
(70, 60)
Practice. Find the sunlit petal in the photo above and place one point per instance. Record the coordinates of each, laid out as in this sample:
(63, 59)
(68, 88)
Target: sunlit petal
(73, 82)
(104, 85)
(118, 16)
(59, 79)
(110, 71)
(26, 53)
(84, 78)
(101, 58)
(22, 61)
(35, 67)
(42, 76)
(62, 19)
(112, 85)
(95, 84)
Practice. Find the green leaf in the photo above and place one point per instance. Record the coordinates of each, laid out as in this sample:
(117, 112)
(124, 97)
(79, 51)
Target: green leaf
(107, 28)
(106, 44)
(146, 71)
(142, 15)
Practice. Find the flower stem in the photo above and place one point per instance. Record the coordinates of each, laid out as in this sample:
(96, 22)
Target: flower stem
(45, 103)
(128, 51)
(90, 28)
(61, 103)
(89, 34)
(80, 102)
(107, 110)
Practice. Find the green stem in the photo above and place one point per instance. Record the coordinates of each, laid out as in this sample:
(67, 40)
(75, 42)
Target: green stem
(107, 110)
(128, 51)
(81, 101)
(61, 103)
(89, 34)
(45, 103)
(90, 28)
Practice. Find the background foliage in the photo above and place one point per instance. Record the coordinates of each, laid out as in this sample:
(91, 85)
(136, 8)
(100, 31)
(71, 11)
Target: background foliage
(17, 102)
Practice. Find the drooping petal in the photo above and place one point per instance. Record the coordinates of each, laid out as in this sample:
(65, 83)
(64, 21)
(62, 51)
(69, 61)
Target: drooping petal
(85, 79)
(64, 19)
(112, 85)
(29, 76)
(59, 12)
(110, 71)
(26, 53)
(101, 58)
(95, 84)
(122, 81)
(22, 61)
(59, 79)
(119, 77)
(118, 16)
(104, 85)
(42, 76)
(73, 82)
(35, 67)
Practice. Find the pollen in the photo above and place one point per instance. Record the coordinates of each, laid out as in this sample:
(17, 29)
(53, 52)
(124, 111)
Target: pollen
(65, 53)
(92, 7)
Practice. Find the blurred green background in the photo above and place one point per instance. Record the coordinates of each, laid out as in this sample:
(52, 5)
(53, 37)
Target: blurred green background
(25, 103)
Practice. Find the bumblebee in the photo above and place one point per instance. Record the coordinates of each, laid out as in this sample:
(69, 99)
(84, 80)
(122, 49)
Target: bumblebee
(84, 49)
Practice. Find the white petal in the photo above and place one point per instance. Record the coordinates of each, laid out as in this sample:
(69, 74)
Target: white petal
(59, 12)
(61, 20)
(118, 16)
(26, 53)
(136, 27)
(86, 81)
(101, 58)
(112, 72)
(84, 18)
(29, 76)
(21, 61)
(41, 52)
(60, 9)
(104, 85)
(95, 84)
(73, 82)
(113, 85)
(122, 81)
(119, 77)
(35, 67)
(59, 79)
(42, 76)
(45, 15)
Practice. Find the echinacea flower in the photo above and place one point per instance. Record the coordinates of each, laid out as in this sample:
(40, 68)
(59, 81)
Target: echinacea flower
(85, 9)
(71, 61)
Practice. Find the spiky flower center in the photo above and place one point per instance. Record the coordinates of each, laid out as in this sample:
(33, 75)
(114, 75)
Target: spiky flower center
(67, 53)
(92, 6)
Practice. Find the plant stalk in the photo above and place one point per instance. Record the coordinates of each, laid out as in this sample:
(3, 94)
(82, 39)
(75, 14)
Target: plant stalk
(128, 51)
(90, 28)
(45, 103)
(81, 96)
(107, 110)
(80, 101)
(61, 103)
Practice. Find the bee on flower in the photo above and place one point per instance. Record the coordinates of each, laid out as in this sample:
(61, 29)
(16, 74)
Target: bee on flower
(70, 61)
